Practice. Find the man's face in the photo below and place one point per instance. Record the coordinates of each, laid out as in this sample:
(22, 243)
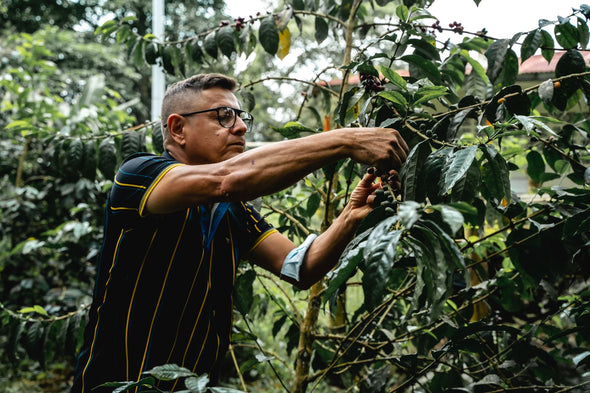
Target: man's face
(207, 141)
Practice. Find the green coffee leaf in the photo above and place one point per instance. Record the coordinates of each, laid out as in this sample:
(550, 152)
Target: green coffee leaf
(293, 129)
(247, 40)
(157, 139)
(432, 280)
(75, 153)
(577, 224)
(169, 372)
(193, 52)
(428, 68)
(393, 77)
(130, 143)
(268, 35)
(244, 296)
(496, 54)
(248, 100)
(571, 62)
(583, 33)
(178, 62)
(128, 385)
(547, 46)
(411, 172)
(35, 309)
(321, 29)
(467, 188)
(345, 8)
(429, 93)
(531, 124)
(197, 384)
(107, 158)
(379, 255)
(433, 173)
(167, 59)
(536, 166)
(210, 44)
(509, 71)
(349, 261)
(460, 162)
(225, 40)
(402, 12)
(409, 213)
(151, 53)
(495, 175)
(90, 161)
(399, 101)
(425, 48)
(531, 43)
(475, 65)
(567, 35)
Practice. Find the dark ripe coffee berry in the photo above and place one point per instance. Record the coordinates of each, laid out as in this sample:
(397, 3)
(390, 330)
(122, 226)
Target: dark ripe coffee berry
(371, 83)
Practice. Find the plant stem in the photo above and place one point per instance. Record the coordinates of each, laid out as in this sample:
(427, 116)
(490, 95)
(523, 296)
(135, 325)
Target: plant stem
(233, 356)
(306, 338)
(21, 164)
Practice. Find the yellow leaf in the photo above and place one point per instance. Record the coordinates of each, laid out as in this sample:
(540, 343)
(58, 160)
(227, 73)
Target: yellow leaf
(481, 310)
(284, 43)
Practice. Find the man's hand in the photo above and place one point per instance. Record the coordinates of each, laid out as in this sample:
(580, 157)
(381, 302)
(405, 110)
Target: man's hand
(363, 195)
(383, 148)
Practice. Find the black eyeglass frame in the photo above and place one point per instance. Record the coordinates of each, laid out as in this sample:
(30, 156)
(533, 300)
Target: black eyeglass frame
(237, 112)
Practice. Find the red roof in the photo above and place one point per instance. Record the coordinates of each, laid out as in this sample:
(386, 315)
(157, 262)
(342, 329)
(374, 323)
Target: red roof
(537, 64)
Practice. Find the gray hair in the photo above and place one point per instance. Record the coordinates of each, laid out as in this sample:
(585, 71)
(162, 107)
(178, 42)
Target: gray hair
(175, 97)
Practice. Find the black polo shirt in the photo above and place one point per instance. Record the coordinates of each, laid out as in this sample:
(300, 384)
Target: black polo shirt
(163, 292)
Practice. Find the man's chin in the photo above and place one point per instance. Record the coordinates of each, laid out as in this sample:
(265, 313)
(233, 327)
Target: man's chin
(234, 151)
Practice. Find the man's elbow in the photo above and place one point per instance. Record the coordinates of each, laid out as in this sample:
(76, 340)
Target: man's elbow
(306, 282)
(233, 189)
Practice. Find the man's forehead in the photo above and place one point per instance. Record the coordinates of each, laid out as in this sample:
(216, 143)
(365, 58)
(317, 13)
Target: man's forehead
(211, 98)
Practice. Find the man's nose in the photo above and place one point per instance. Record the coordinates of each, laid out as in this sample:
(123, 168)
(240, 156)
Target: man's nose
(239, 127)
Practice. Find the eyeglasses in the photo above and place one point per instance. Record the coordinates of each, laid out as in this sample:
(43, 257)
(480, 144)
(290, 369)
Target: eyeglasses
(226, 116)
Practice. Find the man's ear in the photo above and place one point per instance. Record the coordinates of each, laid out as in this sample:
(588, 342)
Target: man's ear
(175, 125)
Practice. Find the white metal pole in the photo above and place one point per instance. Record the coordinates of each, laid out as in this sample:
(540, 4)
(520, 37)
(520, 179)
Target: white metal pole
(158, 77)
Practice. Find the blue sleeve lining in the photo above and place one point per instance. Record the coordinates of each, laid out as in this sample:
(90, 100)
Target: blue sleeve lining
(294, 260)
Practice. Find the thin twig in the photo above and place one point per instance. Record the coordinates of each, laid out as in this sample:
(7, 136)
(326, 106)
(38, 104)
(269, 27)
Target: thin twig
(233, 356)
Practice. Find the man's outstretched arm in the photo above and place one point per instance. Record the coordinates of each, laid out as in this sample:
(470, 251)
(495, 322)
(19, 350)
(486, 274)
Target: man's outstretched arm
(271, 168)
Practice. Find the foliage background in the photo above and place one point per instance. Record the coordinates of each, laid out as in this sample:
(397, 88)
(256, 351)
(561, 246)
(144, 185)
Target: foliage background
(453, 283)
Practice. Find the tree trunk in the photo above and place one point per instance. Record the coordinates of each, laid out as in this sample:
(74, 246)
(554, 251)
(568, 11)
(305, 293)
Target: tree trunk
(306, 338)
(309, 327)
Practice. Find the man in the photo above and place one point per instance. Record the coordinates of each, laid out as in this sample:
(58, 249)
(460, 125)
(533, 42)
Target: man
(177, 227)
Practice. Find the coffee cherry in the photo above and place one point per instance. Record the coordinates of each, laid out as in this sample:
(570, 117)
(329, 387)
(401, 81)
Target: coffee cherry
(371, 83)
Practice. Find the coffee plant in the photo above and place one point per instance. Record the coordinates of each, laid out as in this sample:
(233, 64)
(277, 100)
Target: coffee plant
(453, 283)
